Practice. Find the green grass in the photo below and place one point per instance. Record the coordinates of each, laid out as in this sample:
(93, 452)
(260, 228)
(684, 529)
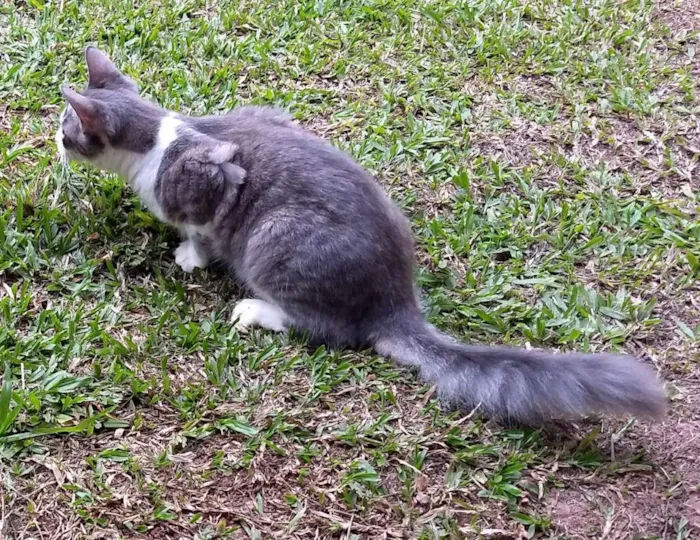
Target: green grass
(547, 154)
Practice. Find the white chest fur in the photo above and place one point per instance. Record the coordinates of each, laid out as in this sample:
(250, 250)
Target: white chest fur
(141, 170)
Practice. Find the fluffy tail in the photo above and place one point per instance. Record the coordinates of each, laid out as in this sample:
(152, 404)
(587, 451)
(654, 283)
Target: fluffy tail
(519, 385)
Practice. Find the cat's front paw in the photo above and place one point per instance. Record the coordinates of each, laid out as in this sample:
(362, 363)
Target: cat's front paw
(187, 258)
(251, 313)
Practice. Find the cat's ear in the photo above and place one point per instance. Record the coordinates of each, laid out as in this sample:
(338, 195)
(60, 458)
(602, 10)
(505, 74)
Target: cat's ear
(101, 70)
(90, 112)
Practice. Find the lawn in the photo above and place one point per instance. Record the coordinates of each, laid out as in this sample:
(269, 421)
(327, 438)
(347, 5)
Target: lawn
(546, 152)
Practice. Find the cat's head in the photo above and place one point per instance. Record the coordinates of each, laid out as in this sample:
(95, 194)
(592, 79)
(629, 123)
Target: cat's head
(107, 115)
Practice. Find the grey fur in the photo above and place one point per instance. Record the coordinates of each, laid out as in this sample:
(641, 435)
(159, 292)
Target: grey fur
(125, 120)
(313, 233)
(197, 179)
(521, 385)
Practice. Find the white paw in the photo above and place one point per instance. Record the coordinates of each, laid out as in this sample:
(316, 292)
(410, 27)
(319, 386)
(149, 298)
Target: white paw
(187, 258)
(251, 312)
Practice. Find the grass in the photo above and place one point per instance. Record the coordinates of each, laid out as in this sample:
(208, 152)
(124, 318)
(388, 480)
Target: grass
(547, 154)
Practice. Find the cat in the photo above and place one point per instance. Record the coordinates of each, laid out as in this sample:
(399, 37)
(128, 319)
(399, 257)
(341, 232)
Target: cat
(321, 247)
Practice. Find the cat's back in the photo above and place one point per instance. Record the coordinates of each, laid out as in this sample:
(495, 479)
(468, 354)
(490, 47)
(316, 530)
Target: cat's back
(287, 164)
(251, 121)
(272, 144)
(298, 178)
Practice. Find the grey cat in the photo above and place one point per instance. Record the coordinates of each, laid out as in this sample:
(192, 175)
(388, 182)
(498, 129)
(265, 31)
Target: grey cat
(321, 247)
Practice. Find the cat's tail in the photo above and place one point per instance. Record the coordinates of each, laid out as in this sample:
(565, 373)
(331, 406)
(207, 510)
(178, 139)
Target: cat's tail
(519, 385)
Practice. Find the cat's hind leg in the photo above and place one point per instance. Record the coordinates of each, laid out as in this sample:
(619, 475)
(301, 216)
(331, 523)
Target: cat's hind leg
(252, 312)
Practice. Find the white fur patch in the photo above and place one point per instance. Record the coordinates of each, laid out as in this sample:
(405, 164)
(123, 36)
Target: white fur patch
(187, 258)
(251, 312)
(59, 139)
(142, 172)
(190, 231)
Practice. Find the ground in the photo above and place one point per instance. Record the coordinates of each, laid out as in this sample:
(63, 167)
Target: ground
(546, 152)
